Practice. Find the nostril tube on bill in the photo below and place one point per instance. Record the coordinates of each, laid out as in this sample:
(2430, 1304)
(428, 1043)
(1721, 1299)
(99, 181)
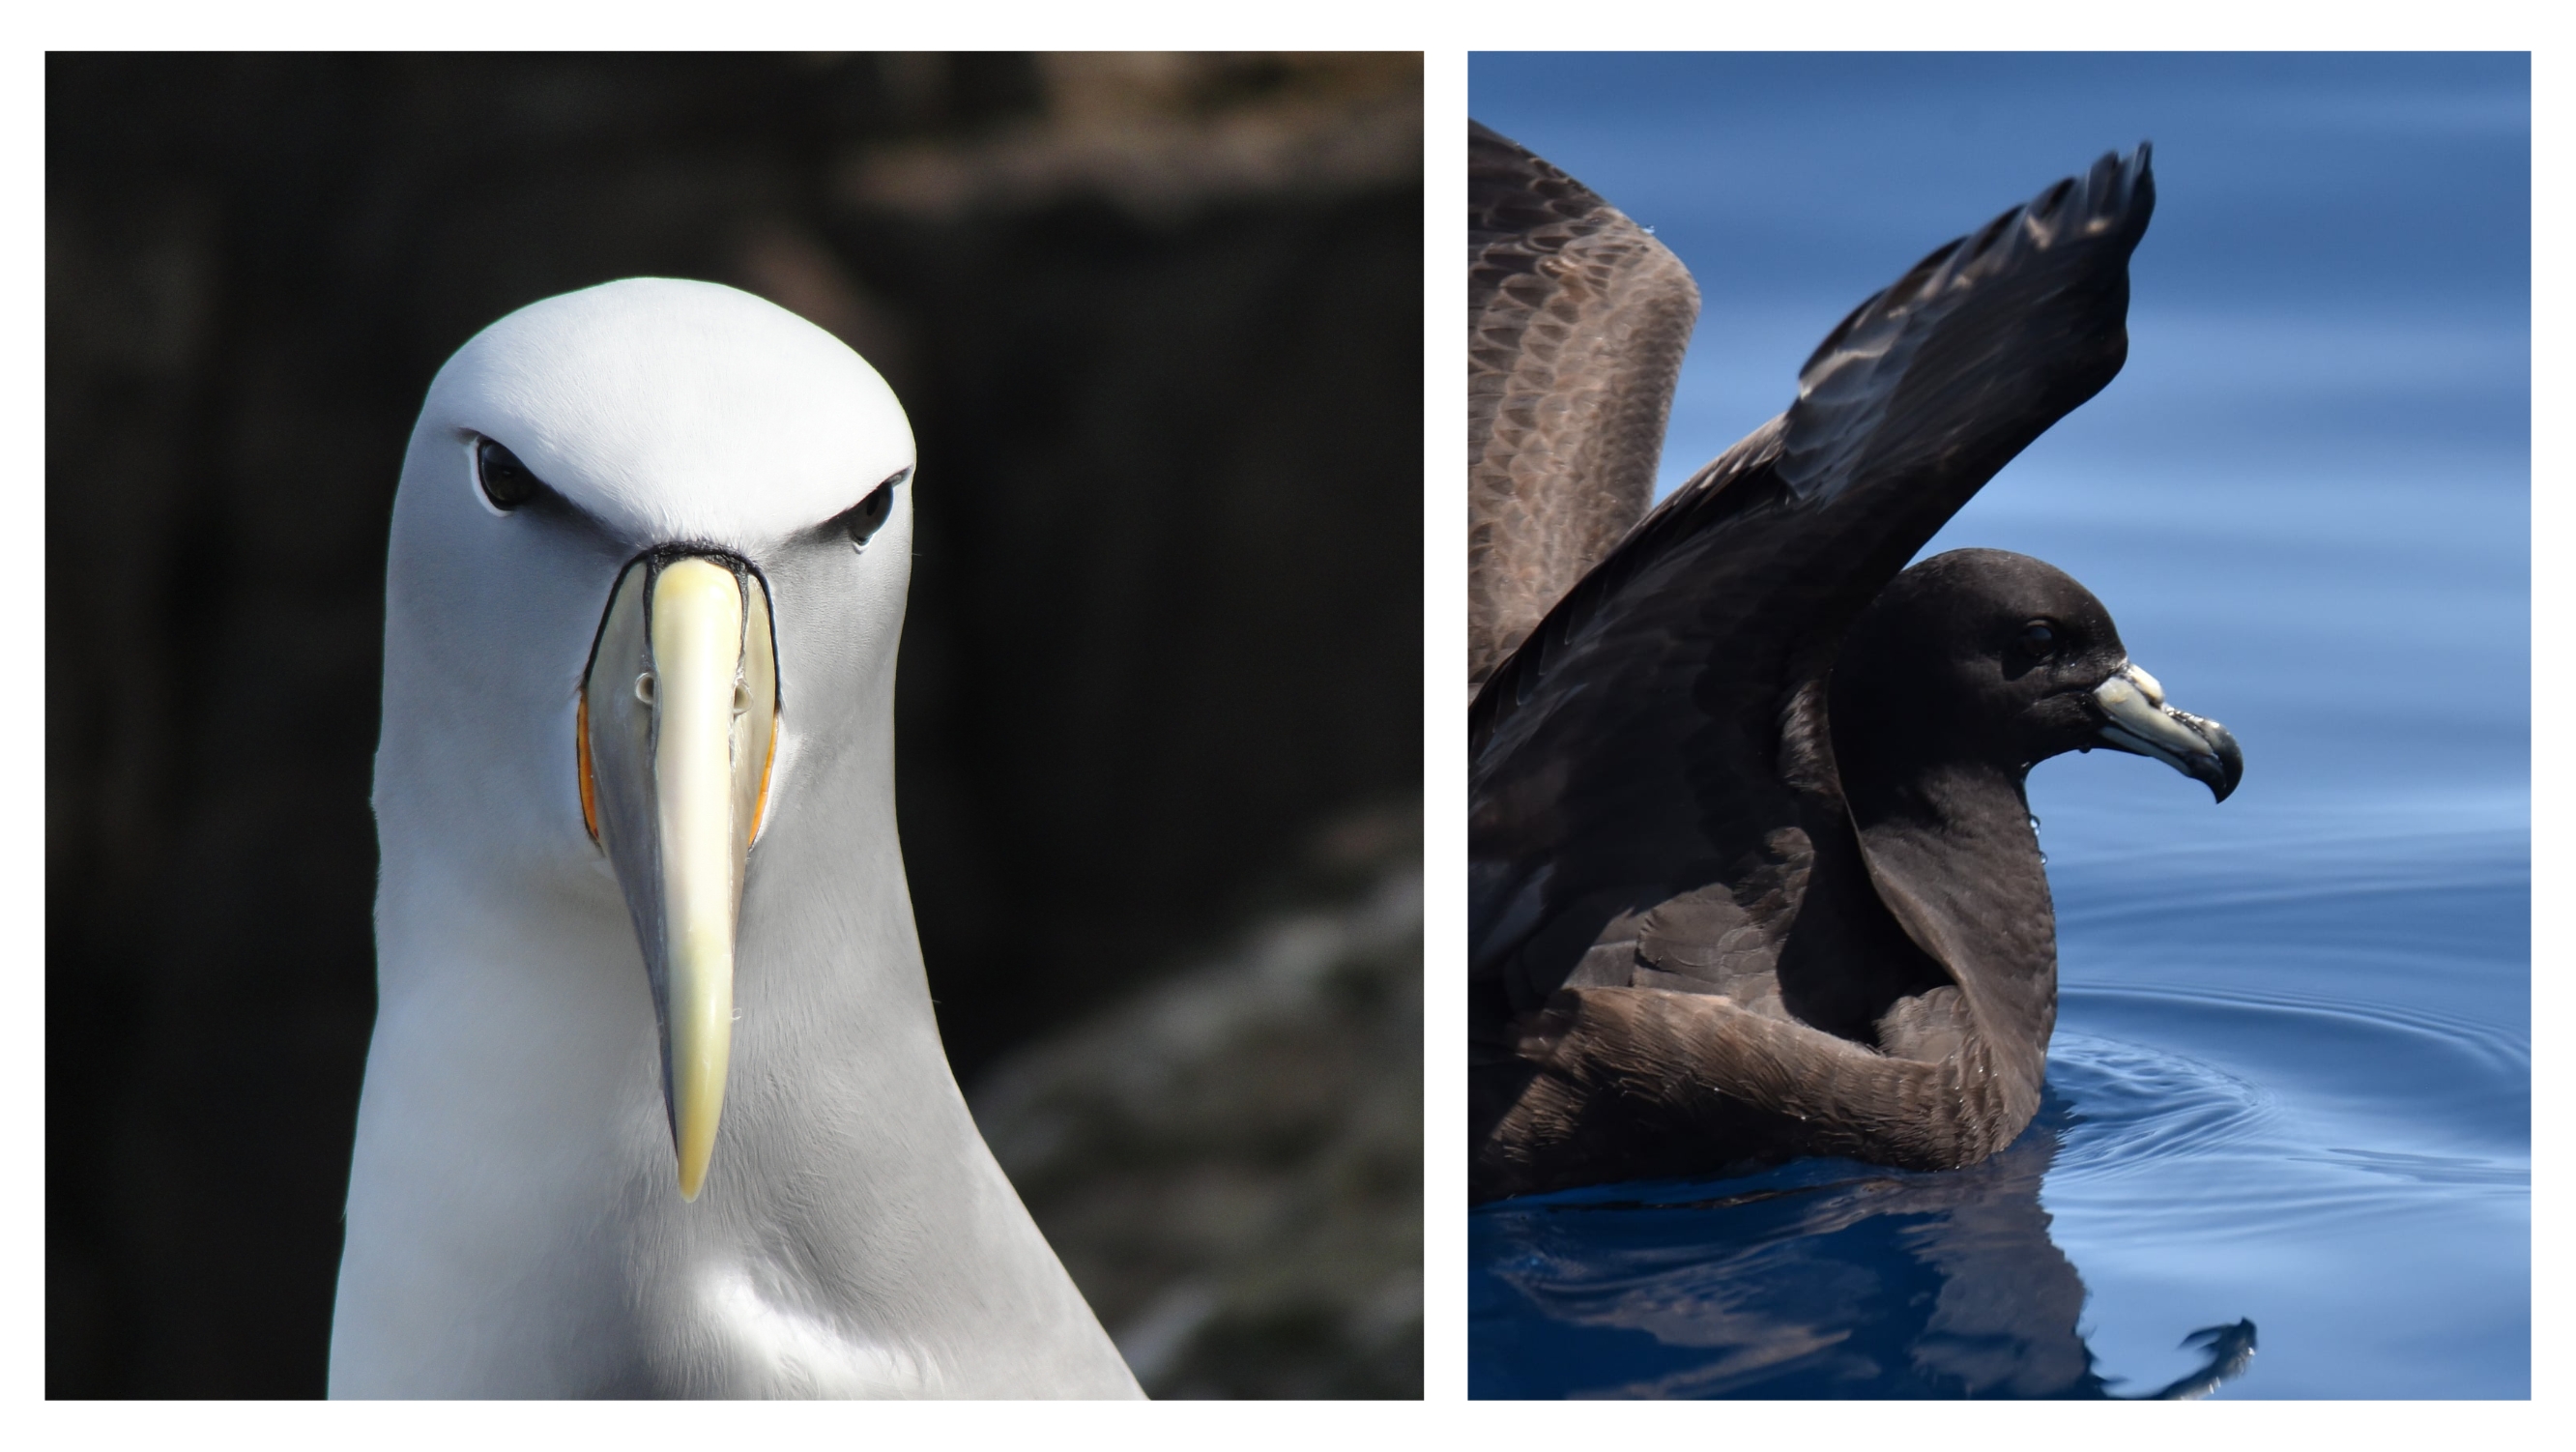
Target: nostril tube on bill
(2154, 689)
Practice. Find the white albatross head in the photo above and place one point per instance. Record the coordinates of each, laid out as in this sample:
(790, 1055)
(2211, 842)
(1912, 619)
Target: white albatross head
(652, 538)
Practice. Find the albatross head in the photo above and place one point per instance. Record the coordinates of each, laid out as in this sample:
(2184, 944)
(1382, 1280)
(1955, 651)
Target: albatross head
(652, 540)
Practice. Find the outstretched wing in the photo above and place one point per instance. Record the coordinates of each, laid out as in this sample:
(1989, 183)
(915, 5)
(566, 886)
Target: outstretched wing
(1576, 322)
(1637, 763)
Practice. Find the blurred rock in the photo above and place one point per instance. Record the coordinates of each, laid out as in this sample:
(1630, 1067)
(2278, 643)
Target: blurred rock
(1230, 1163)
(1164, 137)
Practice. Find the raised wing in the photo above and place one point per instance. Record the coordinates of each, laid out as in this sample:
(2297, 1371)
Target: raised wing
(1576, 324)
(1647, 749)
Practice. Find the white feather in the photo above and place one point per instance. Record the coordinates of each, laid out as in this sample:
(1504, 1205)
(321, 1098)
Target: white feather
(513, 1226)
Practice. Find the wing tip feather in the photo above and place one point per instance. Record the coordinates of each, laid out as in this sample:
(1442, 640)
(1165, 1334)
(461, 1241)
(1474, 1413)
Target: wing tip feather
(2116, 193)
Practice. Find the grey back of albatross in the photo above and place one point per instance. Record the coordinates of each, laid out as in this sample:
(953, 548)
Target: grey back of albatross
(1752, 874)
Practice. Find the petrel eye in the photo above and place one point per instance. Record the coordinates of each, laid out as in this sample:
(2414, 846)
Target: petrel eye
(868, 513)
(506, 481)
(2037, 638)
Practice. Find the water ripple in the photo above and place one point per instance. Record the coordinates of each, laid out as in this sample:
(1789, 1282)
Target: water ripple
(2131, 1106)
(2439, 1098)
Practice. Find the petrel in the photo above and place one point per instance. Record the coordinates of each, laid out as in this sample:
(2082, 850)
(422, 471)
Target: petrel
(1752, 874)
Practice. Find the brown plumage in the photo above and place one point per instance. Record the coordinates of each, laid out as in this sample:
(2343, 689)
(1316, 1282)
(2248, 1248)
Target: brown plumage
(1751, 871)
(1576, 324)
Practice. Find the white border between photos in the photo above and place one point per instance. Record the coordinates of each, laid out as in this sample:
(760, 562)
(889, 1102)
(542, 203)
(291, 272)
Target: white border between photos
(1446, 31)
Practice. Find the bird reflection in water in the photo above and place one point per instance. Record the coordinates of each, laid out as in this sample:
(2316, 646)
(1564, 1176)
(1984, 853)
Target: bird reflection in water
(1823, 1278)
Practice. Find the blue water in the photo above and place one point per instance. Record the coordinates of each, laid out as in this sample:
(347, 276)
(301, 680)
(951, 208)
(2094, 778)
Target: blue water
(2291, 1079)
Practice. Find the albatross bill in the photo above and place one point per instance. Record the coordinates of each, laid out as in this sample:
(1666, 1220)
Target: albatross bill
(677, 726)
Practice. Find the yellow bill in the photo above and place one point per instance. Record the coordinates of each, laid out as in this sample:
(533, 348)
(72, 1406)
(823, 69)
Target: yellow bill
(678, 724)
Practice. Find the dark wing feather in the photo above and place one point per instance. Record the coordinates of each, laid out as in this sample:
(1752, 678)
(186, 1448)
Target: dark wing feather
(1576, 324)
(1651, 738)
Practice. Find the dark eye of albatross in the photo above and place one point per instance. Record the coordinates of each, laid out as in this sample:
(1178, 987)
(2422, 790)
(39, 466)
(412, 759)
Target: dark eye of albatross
(2037, 639)
(863, 518)
(506, 481)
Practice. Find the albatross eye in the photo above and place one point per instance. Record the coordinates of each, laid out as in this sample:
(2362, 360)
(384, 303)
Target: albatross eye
(506, 481)
(868, 513)
(2037, 639)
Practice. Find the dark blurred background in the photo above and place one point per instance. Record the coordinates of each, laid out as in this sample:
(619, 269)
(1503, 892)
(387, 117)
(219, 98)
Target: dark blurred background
(1157, 320)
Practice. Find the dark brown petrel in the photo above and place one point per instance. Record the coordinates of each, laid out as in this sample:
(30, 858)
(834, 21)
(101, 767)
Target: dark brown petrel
(1752, 875)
